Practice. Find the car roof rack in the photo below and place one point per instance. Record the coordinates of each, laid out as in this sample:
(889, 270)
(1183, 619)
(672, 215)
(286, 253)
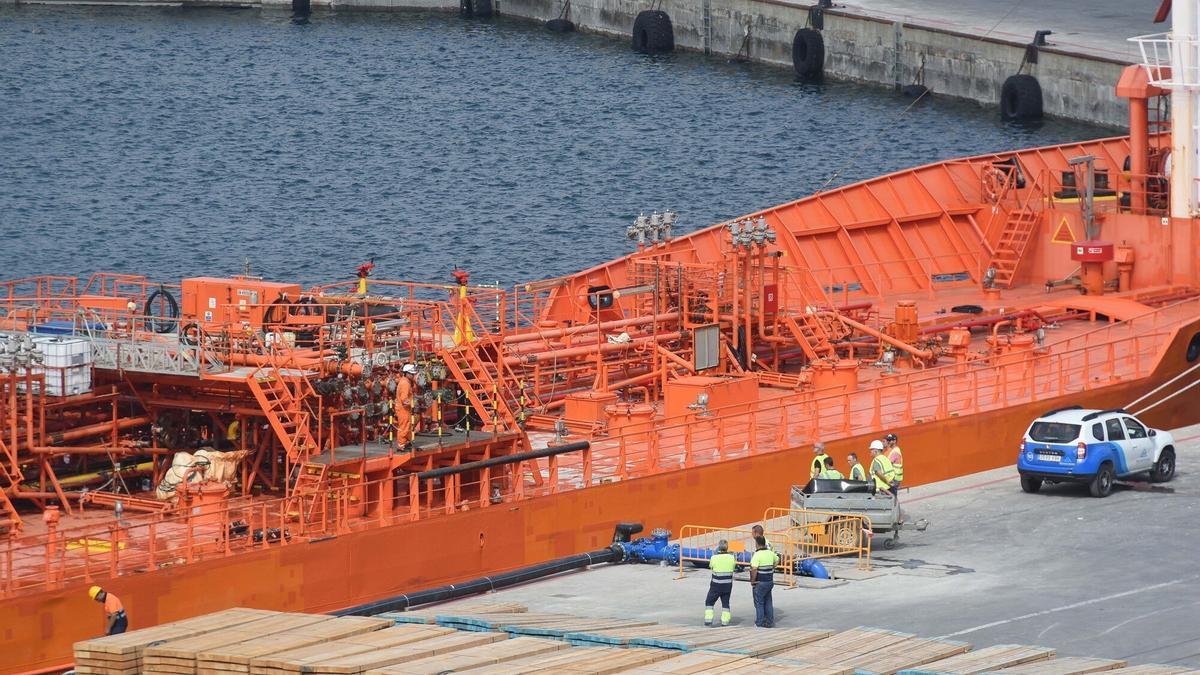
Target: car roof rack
(1091, 416)
(1058, 410)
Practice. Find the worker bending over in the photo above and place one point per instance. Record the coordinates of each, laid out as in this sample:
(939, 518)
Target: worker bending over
(881, 468)
(857, 472)
(762, 580)
(830, 473)
(818, 461)
(405, 396)
(115, 621)
(723, 563)
(896, 457)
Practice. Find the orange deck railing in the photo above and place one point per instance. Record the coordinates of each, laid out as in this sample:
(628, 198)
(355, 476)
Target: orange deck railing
(1120, 351)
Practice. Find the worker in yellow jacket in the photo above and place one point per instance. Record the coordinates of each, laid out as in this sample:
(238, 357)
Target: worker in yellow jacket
(857, 472)
(818, 461)
(723, 564)
(881, 468)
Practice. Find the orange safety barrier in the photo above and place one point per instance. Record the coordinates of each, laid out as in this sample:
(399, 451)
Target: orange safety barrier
(824, 534)
(693, 539)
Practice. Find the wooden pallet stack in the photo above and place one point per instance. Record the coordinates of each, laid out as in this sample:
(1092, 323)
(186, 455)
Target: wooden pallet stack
(579, 661)
(122, 654)
(472, 608)
(297, 660)
(1066, 665)
(236, 658)
(476, 657)
(984, 660)
(178, 657)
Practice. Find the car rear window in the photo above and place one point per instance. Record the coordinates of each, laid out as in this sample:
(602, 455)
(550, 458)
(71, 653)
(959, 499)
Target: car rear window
(1054, 432)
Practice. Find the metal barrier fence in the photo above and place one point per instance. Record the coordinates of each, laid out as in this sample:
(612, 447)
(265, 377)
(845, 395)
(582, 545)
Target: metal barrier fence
(825, 534)
(697, 543)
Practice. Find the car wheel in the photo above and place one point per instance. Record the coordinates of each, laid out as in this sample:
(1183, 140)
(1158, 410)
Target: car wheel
(1102, 482)
(1164, 468)
(1031, 485)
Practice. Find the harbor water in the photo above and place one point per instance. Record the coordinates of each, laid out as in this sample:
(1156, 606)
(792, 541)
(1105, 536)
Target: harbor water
(175, 142)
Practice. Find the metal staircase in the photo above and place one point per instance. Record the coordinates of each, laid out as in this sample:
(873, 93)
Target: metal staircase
(811, 333)
(282, 392)
(479, 380)
(10, 520)
(307, 501)
(1019, 229)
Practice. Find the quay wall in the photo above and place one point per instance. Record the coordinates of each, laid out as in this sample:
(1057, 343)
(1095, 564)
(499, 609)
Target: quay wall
(858, 47)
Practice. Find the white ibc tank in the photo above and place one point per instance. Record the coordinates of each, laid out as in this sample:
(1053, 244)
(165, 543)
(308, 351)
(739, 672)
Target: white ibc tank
(67, 364)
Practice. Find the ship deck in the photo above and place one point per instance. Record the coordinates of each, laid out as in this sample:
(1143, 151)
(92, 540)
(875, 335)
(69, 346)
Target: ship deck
(1111, 578)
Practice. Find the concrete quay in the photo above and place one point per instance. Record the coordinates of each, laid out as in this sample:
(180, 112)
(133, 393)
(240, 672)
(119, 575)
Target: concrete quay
(959, 48)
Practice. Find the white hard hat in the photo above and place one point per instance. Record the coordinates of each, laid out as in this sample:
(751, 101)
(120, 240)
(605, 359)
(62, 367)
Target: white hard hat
(877, 445)
(409, 369)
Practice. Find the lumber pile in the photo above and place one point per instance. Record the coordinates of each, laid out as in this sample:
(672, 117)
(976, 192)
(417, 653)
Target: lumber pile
(475, 657)
(580, 661)
(302, 658)
(1067, 665)
(464, 609)
(761, 643)
(986, 660)
(235, 658)
(178, 657)
(122, 654)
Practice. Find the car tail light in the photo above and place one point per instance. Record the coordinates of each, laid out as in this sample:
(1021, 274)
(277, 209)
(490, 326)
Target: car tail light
(1022, 447)
(1081, 452)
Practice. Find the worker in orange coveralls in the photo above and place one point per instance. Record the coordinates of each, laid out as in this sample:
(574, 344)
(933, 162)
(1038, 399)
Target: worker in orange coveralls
(404, 406)
(115, 621)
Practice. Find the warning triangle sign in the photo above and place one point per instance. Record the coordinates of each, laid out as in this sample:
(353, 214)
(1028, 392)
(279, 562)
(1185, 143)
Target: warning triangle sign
(1063, 233)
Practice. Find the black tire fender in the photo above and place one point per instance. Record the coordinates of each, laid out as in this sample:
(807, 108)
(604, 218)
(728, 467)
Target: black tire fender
(653, 33)
(475, 9)
(808, 54)
(560, 26)
(1021, 99)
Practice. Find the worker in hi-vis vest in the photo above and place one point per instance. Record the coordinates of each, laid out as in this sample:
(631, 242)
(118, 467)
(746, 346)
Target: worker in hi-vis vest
(115, 621)
(762, 580)
(896, 457)
(881, 468)
(723, 563)
(818, 460)
(830, 473)
(857, 472)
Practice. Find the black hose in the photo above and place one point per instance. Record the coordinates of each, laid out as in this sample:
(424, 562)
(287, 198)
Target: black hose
(484, 584)
(172, 313)
(506, 459)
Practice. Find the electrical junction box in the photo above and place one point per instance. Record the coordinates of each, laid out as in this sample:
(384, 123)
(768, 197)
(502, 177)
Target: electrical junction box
(216, 304)
(724, 393)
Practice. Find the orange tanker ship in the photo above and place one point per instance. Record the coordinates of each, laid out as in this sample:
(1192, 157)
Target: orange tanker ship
(223, 442)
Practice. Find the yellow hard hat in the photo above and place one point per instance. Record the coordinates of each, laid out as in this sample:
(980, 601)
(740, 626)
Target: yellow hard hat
(94, 591)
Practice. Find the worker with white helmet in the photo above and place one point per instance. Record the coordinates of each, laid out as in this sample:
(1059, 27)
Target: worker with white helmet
(405, 398)
(115, 621)
(881, 468)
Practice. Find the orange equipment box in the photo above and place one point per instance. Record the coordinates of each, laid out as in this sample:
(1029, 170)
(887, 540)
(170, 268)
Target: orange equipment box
(212, 302)
(722, 392)
(588, 406)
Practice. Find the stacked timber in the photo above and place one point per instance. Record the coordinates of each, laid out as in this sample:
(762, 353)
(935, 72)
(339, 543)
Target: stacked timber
(122, 654)
(656, 635)
(236, 658)
(987, 659)
(377, 659)
(903, 655)
(301, 658)
(475, 657)
(1066, 665)
(581, 661)
(473, 608)
(178, 657)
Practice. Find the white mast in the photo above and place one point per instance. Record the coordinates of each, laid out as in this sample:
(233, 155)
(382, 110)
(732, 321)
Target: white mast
(1180, 51)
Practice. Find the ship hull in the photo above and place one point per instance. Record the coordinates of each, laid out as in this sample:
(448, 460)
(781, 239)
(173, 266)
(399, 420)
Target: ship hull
(338, 572)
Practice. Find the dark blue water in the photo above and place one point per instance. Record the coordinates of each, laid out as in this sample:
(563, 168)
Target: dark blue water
(181, 142)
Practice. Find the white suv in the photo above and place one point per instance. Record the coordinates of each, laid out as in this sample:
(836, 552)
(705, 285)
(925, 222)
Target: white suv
(1094, 447)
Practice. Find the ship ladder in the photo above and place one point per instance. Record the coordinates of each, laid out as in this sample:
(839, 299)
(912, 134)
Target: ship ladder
(307, 502)
(811, 335)
(10, 519)
(480, 385)
(1018, 231)
(284, 411)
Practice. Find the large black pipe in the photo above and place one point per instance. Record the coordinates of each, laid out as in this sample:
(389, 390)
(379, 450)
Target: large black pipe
(484, 584)
(506, 459)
